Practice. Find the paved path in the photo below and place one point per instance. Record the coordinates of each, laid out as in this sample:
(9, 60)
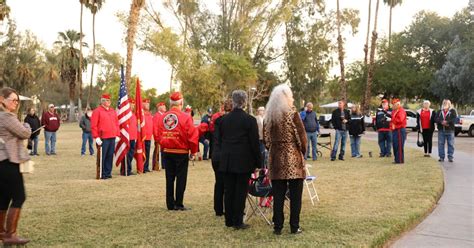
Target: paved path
(451, 224)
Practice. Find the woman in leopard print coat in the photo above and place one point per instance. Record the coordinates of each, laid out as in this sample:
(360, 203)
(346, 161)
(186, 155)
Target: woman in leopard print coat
(285, 138)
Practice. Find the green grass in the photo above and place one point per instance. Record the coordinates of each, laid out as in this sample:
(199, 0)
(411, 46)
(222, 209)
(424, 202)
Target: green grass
(364, 202)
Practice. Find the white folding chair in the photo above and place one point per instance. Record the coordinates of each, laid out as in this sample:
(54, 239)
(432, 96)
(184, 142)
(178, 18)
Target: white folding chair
(309, 182)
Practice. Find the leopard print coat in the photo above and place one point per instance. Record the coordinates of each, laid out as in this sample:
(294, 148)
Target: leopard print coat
(286, 142)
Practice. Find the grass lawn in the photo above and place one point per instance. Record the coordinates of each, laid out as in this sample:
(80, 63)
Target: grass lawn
(364, 202)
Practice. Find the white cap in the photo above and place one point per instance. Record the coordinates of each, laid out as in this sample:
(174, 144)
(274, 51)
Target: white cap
(426, 101)
(50, 105)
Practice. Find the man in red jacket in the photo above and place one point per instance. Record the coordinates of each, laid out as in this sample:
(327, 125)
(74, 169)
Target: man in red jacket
(157, 119)
(148, 129)
(132, 132)
(398, 125)
(105, 130)
(51, 121)
(177, 137)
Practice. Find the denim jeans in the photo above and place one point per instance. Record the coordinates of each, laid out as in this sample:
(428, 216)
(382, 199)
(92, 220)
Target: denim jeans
(443, 138)
(87, 137)
(313, 139)
(34, 141)
(206, 147)
(355, 145)
(385, 143)
(341, 137)
(50, 142)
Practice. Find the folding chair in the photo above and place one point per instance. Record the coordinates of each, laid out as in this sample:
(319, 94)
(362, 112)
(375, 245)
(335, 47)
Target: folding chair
(309, 182)
(325, 144)
(259, 197)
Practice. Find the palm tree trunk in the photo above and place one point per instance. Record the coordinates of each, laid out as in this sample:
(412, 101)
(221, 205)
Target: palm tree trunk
(79, 101)
(340, 47)
(131, 32)
(390, 24)
(93, 61)
(72, 96)
(171, 80)
(370, 73)
(366, 46)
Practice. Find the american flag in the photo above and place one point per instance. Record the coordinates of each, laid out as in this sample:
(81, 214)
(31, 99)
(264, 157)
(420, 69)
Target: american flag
(124, 114)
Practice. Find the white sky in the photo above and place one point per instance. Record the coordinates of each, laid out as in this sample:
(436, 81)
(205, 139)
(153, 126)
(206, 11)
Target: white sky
(47, 17)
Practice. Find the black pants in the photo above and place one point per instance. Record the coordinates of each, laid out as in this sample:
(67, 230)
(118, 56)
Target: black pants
(279, 188)
(12, 188)
(218, 188)
(427, 140)
(235, 194)
(146, 165)
(176, 169)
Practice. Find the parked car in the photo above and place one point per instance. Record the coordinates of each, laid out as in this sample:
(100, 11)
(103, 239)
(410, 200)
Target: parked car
(466, 124)
(325, 120)
(411, 119)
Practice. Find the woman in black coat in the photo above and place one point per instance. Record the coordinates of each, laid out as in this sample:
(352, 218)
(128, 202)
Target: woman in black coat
(32, 119)
(240, 155)
(356, 129)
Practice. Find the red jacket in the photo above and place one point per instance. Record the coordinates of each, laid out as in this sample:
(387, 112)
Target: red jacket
(177, 134)
(203, 128)
(50, 121)
(157, 119)
(399, 119)
(148, 128)
(104, 123)
(213, 121)
(132, 127)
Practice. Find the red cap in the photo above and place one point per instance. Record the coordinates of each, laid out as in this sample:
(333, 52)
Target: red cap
(146, 100)
(176, 96)
(132, 101)
(160, 104)
(395, 100)
(188, 108)
(105, 96)
(384, 101)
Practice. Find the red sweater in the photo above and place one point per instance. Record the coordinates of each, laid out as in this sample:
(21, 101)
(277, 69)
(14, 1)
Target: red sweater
(425, 119)
(148, 128)
(50, 121)
(399, 119)
(176, 133)
(104, 123)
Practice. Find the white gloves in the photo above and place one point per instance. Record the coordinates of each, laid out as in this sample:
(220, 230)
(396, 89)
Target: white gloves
(117, 139)
(98, 141)
(389, 119)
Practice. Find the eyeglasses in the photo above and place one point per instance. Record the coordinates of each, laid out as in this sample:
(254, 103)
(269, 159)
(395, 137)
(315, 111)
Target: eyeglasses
(13, 100)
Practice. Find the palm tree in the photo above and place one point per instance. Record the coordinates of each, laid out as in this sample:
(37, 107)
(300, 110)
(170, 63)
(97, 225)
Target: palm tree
(370, 72)
(94, 6)
(79, 101)
(340, 48)
(69, 57)
(391, 4)
(4, 10)
(133, 18)
(366, 46)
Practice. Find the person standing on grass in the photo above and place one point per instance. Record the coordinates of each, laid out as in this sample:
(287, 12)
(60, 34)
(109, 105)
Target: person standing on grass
(206, 138)
(133, 133)
(105, 130)
(311, 125)
(157, 118)
(178, 139)
(285, 138)
(340, 118)
(12, 153)
(356, 129)
(382, 125)
(399, 123)
(260, 116)
(240, 155)
(445, 120)
(35, 124)
(51, 121)
(148, 130)
(85, 125)
(216, 154)
(425, 123)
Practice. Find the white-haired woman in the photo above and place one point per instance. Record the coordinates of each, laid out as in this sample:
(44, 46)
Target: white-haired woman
(445, 120)
(425, 120)
(285, 137)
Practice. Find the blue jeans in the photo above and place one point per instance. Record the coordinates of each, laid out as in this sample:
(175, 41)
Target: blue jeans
(146, 167)
(87, 137)
(130, 155)
(313, 139)
(206, 147)
(50, 142)
(34, 141)
(355, 145)
(398, 138)
(108, 149)
(341, 137)
(444, 137)
(385, 142)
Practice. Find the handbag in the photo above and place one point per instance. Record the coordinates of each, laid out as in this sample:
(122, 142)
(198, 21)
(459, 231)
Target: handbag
(419, 143)
(29, 146)
(27, 167)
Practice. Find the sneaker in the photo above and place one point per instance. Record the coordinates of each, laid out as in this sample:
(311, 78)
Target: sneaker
(342, 159)
(333, 159)
(450, 160)
(297, 231)
(441, 160)
(359, 156)
(82, 155)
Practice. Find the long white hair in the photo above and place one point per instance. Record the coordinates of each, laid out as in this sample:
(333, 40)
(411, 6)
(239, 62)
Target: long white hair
(278, 104)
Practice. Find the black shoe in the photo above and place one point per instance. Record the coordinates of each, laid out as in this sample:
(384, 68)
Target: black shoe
(53, 153)
(219, 214)
(277, 232)
(333, 159)
(242, 227)
(381, 155)
(297, 231)
(427, 156)
(388, 155)
(181, 208)
(450, 160)
(36, 154)
(441, 160)
(342, 159)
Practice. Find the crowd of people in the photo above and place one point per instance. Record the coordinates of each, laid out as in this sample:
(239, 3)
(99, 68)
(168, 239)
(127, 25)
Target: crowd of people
(278, 138)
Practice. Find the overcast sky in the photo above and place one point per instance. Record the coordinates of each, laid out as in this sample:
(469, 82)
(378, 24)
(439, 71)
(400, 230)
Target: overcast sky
(47, 17)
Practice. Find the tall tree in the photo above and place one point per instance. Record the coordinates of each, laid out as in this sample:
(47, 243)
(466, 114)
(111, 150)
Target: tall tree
(94, 6)
(79, 77)
(340, 50)
(4, 10)
(391, 4)
(133, 19)
(370, 72)
(69, 64)
(366, 46)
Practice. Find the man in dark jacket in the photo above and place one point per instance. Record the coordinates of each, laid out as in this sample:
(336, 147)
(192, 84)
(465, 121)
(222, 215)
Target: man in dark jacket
(340, 118)
(205, 140)
(311, 126)
(85, 125)
(51, 122)
(240, 155)
(382, 124)
(35, 124)
(445, 120)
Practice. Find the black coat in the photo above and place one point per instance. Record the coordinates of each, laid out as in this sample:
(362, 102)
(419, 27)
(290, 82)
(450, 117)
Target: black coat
(336, 118)
(451, 118)
(238, 141)
(356, 125)
(216, 148)
(35, 123)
